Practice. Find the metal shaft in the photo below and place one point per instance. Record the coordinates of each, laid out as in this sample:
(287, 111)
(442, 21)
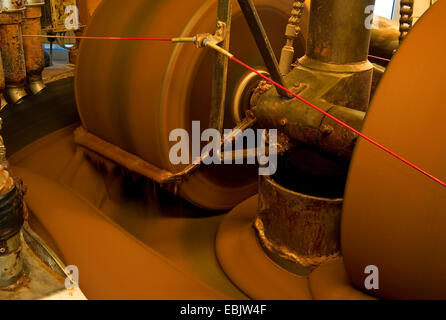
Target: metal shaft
(221, 62)
(3, 102)
(11, 46)
(291, 33)
(34, 56)
(337, 32)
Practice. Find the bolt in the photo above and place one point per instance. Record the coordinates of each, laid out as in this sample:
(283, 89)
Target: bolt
(326, 130)
(283, 122)
(2, 250)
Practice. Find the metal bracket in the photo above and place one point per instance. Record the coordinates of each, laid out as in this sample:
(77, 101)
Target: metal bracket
(218, 37)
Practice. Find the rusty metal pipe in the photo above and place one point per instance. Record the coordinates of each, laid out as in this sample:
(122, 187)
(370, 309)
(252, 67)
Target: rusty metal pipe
(11, 47)
(3, 102)
(337, 32)
(34, 56)
(298, 231)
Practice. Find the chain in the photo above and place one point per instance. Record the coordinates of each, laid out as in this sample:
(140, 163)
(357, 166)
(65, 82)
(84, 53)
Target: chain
(291, 33)
(406, 19)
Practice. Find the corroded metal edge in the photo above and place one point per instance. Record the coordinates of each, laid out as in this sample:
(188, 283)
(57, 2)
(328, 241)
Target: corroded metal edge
(285, 257)
(42, 251)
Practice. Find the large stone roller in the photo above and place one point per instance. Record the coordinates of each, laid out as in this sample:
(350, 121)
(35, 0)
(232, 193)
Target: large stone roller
(134, 93)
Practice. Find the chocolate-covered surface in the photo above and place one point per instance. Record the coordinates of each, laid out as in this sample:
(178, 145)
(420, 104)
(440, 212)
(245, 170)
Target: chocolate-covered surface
(394, 217)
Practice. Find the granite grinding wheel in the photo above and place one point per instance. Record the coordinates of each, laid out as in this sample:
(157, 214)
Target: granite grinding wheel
(134, 93)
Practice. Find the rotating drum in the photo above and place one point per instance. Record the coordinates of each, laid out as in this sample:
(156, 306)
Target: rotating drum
(134, 93)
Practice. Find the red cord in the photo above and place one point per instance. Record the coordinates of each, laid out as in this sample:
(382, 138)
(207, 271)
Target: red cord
(344, 124)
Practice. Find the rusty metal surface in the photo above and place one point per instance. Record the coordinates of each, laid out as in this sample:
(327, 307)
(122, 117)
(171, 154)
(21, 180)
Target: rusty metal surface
(55, 15)
(11, 261)
(12, 54)
(303, 123)
(302, 229)
(335, 75)
(33, 49)
(11, 47)
(394, 217)
(3, 102)
(339, 45)
(334, 38)
(134, 93)
(43, 275)
(121, 157)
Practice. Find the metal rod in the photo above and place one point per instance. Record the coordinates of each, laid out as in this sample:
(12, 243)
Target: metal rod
(291, 33)
(221, 62)
(263, 44)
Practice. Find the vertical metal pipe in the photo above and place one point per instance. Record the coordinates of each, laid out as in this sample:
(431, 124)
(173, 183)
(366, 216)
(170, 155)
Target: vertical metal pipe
(34, 56)
(11, 47)
(3, 102)
(221, 62)
(291, 33)
(339, 42)
(337, 32)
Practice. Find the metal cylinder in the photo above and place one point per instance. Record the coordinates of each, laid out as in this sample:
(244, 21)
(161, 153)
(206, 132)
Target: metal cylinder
(338, 42)
(298, 231)
(11, 47)
(34, 56)
(338, 32)
(11, 222)
(3, 102)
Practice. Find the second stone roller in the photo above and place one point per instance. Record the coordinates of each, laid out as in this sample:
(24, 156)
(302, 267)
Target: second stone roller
(11, 47)
(34, 56)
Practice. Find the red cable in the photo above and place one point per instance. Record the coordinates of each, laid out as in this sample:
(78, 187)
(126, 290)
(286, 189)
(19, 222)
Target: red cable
(344, 124)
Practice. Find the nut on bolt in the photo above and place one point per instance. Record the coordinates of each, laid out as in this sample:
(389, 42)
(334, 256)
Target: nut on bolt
(326, 130)
(283, 122)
